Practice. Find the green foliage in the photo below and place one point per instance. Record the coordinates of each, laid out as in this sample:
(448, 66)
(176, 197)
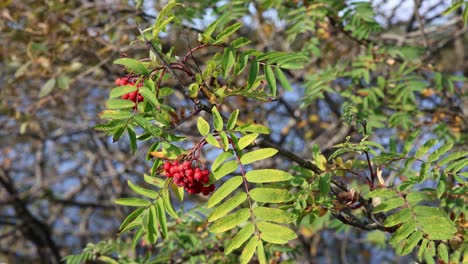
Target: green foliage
(403, 189)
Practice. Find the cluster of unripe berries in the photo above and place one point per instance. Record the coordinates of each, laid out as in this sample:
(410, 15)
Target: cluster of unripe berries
(192, 178)
(133, 96)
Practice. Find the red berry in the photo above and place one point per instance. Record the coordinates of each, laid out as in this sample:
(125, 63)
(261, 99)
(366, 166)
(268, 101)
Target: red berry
(205, 179)
(205, 172)
(197, 175)
(189, 173)
(167, 165)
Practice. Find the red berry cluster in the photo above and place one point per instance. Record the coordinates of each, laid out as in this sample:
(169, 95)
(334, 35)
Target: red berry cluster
(133, 96)
(191, 178)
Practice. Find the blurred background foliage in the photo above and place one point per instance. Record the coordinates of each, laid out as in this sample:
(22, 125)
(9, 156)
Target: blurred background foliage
(58, 176)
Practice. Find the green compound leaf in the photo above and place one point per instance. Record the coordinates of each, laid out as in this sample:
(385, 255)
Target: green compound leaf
(270, 195)
(151, 225)
(142, 191)
(119, 104)
(274, 233)
(246, 140)
(133, 139)
(227, 61)
(132, 65)
(274, 215)
(249, 250)
(121, 90)
(258, 154)
(203, 126)
(227, 206)
(132, 201)
(437, 227)
(267, 175)
(270, 78)
(240, 238)
(442, 252)
(227, 188)
(230, 221)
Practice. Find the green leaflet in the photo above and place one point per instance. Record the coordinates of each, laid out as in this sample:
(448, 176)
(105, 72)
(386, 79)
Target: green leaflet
(161, 214)
(133, 139)
(403, 231)
(168, 205)
(220, 159)
(203, 126)
(270, 78)
(119, 104)
(240, 238)
(412, 241)
(282, 79)
(399, 217)
(274, 215)
(131, 217)
(382, 193)
(253, 128)
(115, 114)
(249, 250)
(158, 182)
(224, 140)
(225, 169)
(212, 141)
(142, 191)
(261, 253)
(217, 119)
(453, 156)
(440, 151)
(409, 141)
(132, 65)
(231, 123)
(274, 233)
(230, 221)
(227, 188)
(389, 205)
(151, 225)
(47, 87)
(425, 148)
(121, 90)
(227, 206)
(437, 227)
(149, 96)
(258, 154)
(270, 195)
(227, 61)
(253, 72)
(246, 140)
(442, 252)
(132, 201)
(226, 33)
(267, 175)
